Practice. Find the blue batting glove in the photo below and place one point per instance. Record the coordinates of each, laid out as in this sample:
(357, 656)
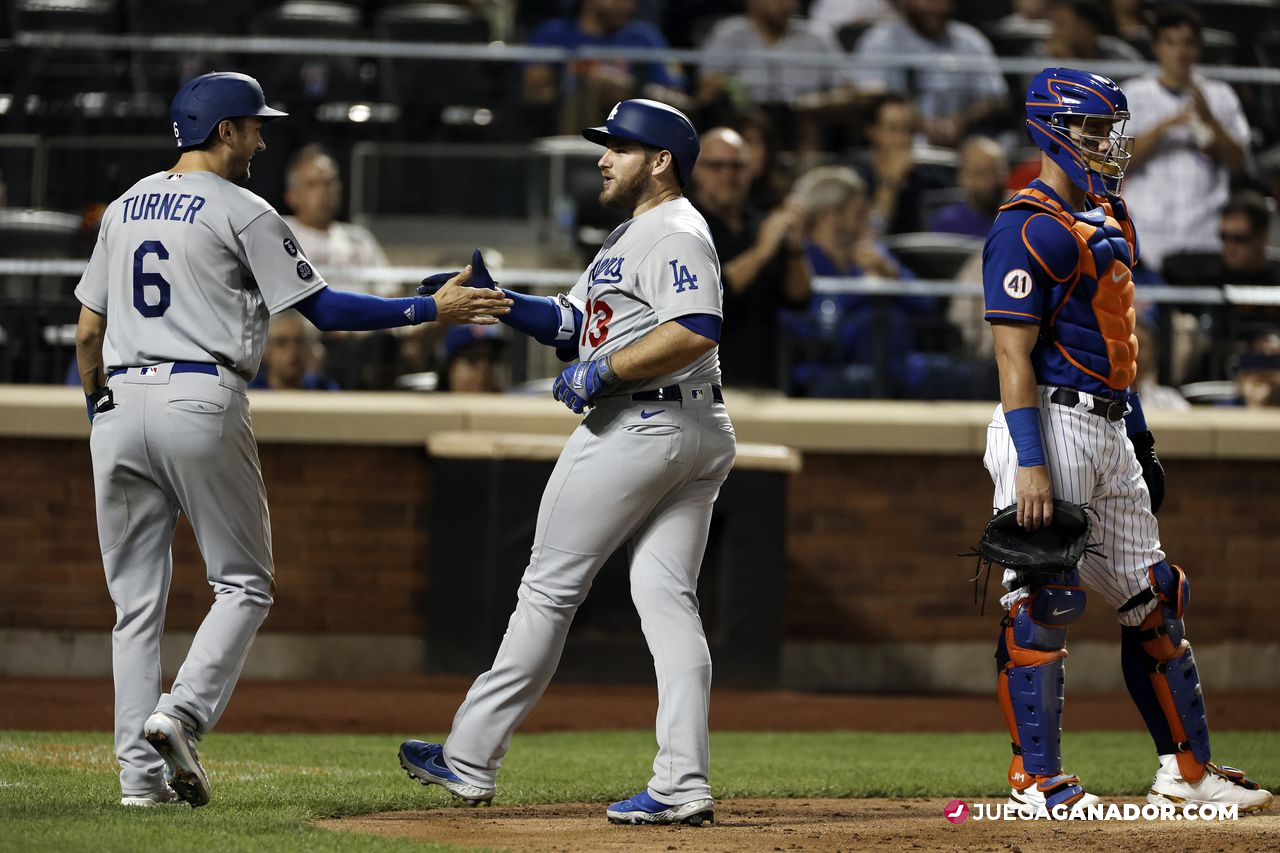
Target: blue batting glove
(578, 384)
(479, 277)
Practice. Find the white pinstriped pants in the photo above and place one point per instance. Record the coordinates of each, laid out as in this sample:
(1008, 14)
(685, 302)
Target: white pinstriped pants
(1090, 462)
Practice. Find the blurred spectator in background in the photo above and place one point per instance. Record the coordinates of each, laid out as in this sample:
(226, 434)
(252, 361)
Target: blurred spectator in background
(839, 241)
(313, 191)
(951, 103)
(1244, 230)
(289, 359)
(839, 13)
(897, 182)
(472, 360)
(770, 180)
(770, 25)
(1258, 372)
(586, 89)
(983, 176)
(1083, 29)
(1153, 394)
(1130, 19)
(1189, 133)
(761, 259)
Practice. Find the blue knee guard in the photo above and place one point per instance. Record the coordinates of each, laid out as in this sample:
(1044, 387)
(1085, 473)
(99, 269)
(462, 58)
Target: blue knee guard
(1032, 676)
(1158, 653)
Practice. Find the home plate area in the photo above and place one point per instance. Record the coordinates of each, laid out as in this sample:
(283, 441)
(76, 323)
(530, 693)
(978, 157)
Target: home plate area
(763, 826)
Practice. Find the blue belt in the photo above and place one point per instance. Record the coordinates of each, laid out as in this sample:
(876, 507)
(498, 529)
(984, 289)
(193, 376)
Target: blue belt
(178, 367)
(671, 394)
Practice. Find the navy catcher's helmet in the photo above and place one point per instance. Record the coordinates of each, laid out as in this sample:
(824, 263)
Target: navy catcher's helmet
(652, 123)
(208, 99)
(1093, 151)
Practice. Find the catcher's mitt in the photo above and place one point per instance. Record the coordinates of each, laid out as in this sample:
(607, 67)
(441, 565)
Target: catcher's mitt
(1047, 552)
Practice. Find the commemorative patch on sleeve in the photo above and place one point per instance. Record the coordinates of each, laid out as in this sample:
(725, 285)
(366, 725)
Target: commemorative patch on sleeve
(304, 270)
(291, 247)
(1017, 283)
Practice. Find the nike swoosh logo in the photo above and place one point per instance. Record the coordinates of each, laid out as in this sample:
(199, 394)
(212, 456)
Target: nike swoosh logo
(1061, 612)
(1121, 278)
(647, 415)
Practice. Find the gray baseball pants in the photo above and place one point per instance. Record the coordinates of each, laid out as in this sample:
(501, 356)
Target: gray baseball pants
(621, 478)
(179, 442)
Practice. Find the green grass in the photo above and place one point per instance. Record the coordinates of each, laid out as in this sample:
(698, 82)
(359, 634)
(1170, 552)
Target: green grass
(59, 791)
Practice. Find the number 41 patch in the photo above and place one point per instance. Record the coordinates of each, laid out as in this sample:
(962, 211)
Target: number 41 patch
(683, 279)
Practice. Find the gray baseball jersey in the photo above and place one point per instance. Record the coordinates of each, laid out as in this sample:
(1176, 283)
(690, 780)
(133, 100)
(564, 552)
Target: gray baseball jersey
(188, 267)
(657, 267)
(635, 472)
(186, 270)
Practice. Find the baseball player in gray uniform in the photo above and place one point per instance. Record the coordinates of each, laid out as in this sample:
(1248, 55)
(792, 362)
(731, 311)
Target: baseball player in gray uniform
(644, 468)
(186, 271)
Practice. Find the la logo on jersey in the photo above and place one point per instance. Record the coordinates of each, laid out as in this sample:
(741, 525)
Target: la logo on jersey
(683, 280)
(1017, 283)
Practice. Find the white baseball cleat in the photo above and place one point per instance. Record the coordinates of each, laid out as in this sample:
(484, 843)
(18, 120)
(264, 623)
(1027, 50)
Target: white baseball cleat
(1220, 785)
(176, 745)
(146, 801)
(1048, 792)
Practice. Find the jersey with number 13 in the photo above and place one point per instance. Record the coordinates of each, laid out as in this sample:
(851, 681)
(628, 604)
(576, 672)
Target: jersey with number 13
(657, 267)
(189, 267)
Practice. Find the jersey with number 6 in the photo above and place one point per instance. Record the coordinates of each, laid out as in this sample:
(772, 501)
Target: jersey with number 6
(189, 267)
(657, 267)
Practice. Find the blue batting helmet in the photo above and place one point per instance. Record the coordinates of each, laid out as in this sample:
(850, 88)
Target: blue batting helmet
(208, 99)
(652, 123)
(1093, 151)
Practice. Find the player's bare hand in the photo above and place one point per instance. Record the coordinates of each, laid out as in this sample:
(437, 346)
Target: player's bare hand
(1035, 497)
(457, 303)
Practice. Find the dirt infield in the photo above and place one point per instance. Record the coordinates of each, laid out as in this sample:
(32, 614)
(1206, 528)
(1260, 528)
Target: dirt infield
(423, 704)
(761, 826)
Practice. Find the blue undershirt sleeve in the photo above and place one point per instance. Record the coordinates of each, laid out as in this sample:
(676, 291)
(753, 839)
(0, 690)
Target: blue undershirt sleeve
(344, 311)
(549, 320)
(707, 325)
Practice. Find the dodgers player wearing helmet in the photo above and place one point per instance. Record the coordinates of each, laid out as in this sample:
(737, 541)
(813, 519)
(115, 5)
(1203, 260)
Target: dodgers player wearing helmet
(1059, 298)
(187, 269)
(644, 468)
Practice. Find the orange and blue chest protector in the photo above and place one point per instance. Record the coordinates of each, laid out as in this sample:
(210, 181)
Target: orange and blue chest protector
(1069, 273)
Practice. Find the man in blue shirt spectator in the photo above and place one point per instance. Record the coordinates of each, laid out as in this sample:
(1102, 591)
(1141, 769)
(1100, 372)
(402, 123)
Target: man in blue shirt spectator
(588, 88)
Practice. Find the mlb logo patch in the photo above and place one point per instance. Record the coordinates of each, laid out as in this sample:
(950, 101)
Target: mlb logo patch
(148, 371)
(696, 394)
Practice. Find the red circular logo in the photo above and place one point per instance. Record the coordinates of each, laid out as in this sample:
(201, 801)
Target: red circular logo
(956, 811)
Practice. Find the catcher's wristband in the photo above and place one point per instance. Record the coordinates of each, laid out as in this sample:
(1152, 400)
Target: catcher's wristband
(1024, 429)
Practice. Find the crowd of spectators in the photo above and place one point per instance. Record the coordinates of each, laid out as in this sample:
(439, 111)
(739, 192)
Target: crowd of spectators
(823, 168)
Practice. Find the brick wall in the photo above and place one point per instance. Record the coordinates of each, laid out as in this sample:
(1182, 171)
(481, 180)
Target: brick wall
(871, 550)
(349, 535)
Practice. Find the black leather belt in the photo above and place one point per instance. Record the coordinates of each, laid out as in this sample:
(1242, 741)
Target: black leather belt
(671, 394)
(178, 367)
(1112, 410)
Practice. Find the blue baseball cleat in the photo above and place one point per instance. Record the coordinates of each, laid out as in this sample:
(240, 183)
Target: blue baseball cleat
(643, 808)
(425, 762)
